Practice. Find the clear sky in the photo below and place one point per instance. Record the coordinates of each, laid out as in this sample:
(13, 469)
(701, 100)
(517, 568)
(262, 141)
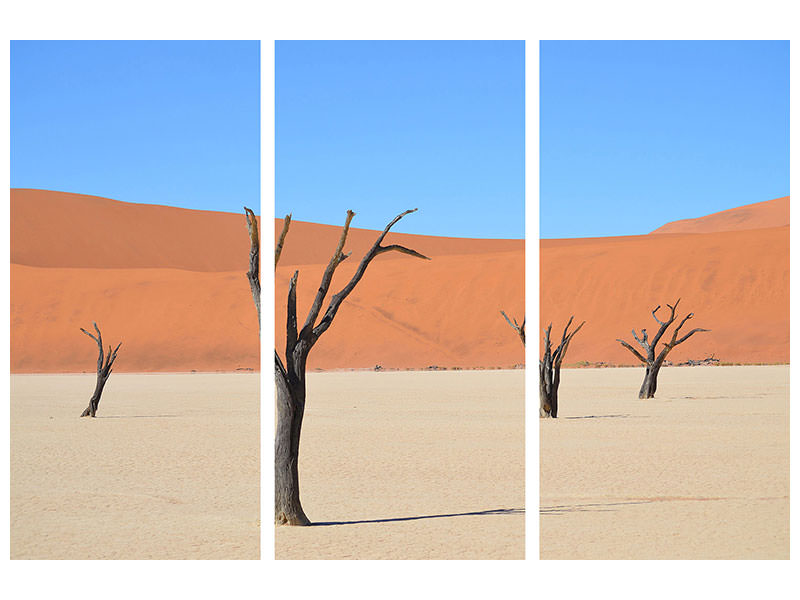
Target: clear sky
(636, 134)
(174, 123)
(379, 127)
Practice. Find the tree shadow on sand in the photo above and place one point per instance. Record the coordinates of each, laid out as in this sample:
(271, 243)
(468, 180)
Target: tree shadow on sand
(136, 416)
(496, 511)
(626, 416)
(597, 507)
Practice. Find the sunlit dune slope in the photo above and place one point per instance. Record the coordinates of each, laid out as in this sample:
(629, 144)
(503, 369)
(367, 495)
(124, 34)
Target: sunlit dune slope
(772, 213)
(59, 229)
(735, 282)
(407, 312)
(169, 283)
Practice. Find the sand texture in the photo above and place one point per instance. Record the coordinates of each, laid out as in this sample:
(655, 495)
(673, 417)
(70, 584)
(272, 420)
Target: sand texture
(699, 472)
(736, 282)
(396, 317)
(168, 470)
(168, 282)
(411, 466)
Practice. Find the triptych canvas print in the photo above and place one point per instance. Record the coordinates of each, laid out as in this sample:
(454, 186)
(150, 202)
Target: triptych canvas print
(149, 419)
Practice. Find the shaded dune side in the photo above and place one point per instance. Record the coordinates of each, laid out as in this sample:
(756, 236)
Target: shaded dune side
(772, 213)
(60, 229)
(406, 312)
(167, 320)
(736, 283)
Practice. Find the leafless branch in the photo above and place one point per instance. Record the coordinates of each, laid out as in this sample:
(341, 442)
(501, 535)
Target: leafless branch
(287, 220)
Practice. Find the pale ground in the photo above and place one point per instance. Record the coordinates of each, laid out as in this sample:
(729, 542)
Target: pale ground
(699, 472)
(168, 469)
(411, 465)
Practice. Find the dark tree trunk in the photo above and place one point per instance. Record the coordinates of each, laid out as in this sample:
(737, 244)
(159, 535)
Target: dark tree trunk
(290, 380)
(550, 370)
(291, 406)
(653, 362)
(648, 389)
(104, 363)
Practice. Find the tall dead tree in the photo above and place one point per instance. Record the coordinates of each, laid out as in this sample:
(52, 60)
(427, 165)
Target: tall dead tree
(255, 262)
(652, 362)
(104, 363)
(520, 329)
(550, 370)
(291, 378)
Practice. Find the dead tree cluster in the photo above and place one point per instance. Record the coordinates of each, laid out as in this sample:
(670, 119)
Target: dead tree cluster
(550, 369)
(653, 362)
(290, 377)
(104, 363)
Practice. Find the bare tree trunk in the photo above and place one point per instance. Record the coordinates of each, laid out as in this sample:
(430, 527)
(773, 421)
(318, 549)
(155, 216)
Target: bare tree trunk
(104, 363)
(291, 406)
(253, 274)
(550, 370)
(290, 380)
(652, 361)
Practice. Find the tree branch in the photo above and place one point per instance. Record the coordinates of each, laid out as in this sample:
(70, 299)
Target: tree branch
(337, 299)
(632, 349)
(253, 274)
(291, 317)
(287, 220)
(688, 335)
(327, 277)
(520, 329)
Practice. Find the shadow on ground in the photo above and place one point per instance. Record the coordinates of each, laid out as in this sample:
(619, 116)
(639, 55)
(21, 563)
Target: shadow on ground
(496, 511)
(599, 507)
(136, 416)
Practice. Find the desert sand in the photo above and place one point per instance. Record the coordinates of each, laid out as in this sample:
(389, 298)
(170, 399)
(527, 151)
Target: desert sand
(168, 282)
(168, 470)
(734, 277)
(411, 465)
(396, 316)
(699, 472)
(761, 215)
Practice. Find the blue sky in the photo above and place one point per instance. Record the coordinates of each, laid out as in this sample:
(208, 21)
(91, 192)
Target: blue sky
(174, 123)
(636, 134)
(379, 127)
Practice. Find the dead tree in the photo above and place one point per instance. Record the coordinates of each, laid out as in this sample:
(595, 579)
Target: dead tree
(652, 362)
(291, 378)
(104, 363)
(520, 329)
(255, 262)
(550, 370)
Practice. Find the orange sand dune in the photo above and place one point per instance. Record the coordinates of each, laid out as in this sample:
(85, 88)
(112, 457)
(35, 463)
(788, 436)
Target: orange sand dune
(772, 213)
(169, 283)
(406, 312)
(59, 229)
(735, 282)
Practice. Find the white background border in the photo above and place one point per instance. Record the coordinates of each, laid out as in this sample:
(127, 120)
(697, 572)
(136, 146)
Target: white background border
(411, 19)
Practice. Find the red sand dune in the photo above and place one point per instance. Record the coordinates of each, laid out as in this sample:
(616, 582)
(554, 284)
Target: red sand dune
(407, 312)
(168, 282)
(772, 213)
(735, 282)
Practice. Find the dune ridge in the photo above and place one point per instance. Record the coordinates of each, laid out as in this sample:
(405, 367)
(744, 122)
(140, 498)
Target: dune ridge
(770, 213)
(734, 279)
